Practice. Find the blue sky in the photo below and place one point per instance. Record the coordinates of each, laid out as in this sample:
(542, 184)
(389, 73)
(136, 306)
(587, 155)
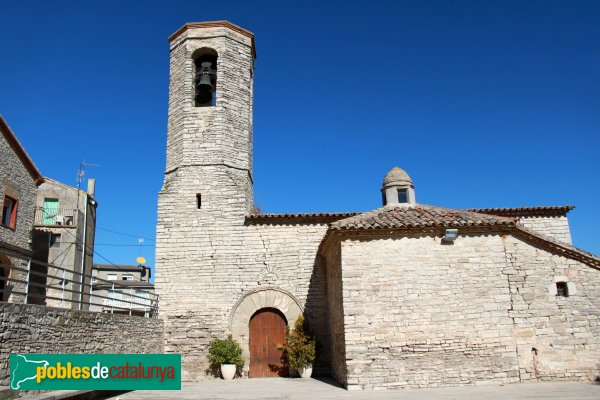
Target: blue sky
(484, 104)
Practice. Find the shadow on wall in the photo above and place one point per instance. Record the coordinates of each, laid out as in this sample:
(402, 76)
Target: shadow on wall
(316, 314)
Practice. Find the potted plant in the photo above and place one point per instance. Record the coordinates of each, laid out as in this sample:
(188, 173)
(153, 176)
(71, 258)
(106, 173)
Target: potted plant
(228, 354)
(299, 348)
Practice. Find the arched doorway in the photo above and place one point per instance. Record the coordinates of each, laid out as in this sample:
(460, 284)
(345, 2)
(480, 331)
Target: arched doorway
(267, 330)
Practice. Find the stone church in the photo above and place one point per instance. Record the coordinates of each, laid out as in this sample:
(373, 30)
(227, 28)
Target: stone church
(407, 295)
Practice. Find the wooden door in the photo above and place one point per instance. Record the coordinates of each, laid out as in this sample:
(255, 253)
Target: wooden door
(267, 329)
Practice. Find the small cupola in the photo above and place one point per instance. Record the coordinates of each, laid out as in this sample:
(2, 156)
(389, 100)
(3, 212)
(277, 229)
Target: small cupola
(398, 188)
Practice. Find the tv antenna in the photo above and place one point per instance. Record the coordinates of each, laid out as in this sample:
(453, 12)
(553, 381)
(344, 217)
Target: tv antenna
(80, 176)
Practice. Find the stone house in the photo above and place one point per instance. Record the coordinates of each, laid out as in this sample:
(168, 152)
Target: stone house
(19, 179)
(406, 295)
(65, 227)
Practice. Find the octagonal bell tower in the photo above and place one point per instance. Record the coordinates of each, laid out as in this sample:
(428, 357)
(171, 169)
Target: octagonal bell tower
(209, 143)
(207, 188)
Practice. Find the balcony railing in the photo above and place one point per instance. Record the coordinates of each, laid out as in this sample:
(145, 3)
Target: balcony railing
(55, 216)
(47, 284)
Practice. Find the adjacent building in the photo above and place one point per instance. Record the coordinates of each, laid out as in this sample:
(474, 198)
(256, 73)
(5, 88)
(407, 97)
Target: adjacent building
(63, 240)
(19, 179)
(123, 289)
(407, 295)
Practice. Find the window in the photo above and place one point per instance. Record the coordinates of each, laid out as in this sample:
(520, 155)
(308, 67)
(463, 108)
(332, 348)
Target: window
(94, 280)
(111, 277)
(127, 277)
(54, 240)
(9, 212)
(562, 290)
(402, 196)
(198, 201)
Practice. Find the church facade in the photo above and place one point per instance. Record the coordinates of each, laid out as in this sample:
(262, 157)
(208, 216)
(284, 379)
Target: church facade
(407, 295)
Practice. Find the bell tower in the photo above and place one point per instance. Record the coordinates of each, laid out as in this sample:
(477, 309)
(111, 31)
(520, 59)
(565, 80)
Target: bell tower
(207, 188)
(208, 175)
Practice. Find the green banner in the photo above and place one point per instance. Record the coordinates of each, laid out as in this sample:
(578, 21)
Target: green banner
(95, 371)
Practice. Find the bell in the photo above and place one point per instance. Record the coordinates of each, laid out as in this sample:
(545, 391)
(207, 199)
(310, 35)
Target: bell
(204, 83)
(204, 98)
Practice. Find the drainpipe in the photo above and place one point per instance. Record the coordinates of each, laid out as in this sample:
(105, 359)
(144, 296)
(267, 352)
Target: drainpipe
(83, 250)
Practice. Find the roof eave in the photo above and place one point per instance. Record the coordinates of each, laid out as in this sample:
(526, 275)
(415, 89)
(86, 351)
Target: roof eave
(19, 150)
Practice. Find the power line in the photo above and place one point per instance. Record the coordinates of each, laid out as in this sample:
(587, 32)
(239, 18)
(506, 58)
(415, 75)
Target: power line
(87, 247)
(125, 234)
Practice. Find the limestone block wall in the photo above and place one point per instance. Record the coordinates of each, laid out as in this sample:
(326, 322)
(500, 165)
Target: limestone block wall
(336, 312)
(421, 313)
(482, 310)
(208, 261)
(557, 338)
(556, 227)
(211, 135)
(28, 328)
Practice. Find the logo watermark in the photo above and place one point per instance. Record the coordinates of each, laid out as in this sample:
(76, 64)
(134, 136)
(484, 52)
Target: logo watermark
(95, 371)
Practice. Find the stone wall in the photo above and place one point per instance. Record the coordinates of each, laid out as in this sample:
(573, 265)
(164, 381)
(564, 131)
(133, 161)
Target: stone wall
(16, 182)
(556, 227)
(336, 312)
(557, 338)
(28, 328)
(421, 313)
(205, 272)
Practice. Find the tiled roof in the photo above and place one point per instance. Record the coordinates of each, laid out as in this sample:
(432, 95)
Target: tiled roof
(326, 218)
(558, 246)
(419, 216)
(525, 211)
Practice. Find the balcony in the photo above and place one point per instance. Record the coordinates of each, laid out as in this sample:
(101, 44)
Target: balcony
(55, 217)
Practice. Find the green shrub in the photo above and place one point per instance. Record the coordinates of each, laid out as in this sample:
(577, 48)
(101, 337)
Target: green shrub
(299, 347)
(225, 351)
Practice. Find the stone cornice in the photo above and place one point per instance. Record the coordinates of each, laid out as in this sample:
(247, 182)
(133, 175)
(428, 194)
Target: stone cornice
(296, 219)
(215, 24)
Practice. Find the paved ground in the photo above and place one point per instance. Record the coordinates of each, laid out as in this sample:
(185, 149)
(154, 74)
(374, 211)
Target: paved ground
(286, 388)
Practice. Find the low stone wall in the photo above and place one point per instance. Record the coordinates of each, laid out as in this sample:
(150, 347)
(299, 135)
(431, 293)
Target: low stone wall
(28, 328)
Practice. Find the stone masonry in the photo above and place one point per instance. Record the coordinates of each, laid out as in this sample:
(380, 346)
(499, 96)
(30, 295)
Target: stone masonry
(391, 303)
(29, 328)
(481, 310)
(18, 179)
(207, 259)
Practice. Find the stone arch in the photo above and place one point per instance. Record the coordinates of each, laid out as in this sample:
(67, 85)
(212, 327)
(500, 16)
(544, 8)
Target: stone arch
(209, 57)
(251, 302)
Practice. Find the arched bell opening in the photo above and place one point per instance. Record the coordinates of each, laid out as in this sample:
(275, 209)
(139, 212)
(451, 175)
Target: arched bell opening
(205, 77)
